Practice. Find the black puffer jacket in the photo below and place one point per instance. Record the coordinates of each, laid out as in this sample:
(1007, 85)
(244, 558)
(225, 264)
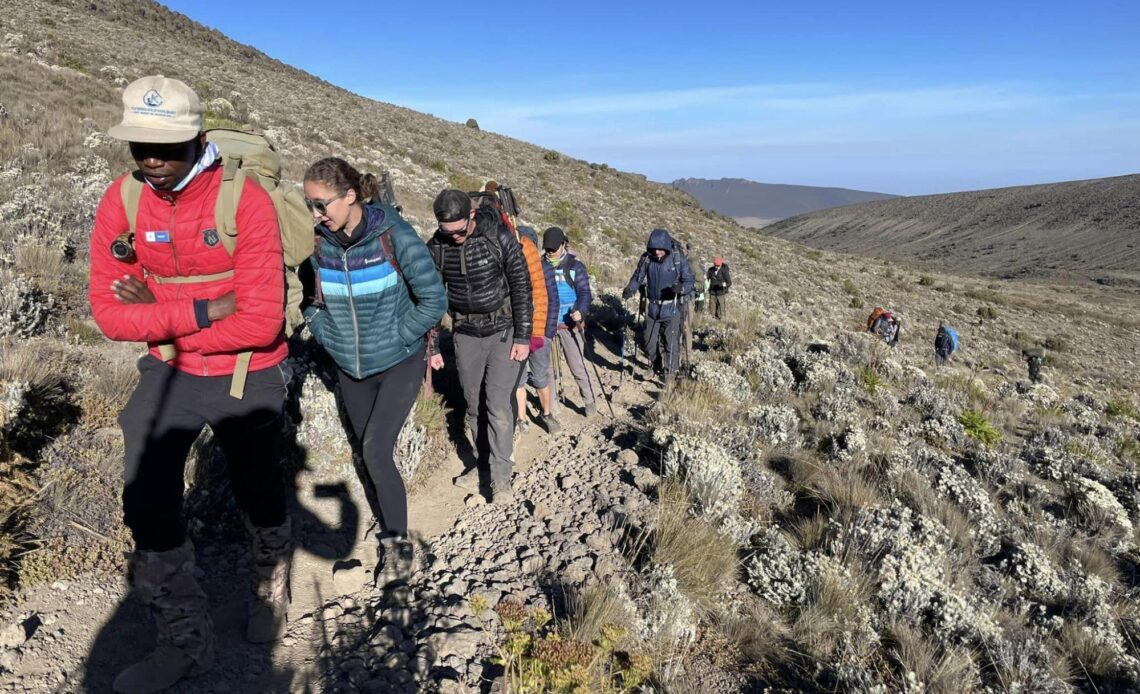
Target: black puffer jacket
(480, 275)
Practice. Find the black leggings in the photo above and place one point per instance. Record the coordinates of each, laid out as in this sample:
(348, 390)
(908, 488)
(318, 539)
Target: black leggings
(377, 406)
(161, 422)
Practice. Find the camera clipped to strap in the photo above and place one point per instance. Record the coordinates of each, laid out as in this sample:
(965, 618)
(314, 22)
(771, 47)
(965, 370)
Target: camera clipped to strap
(123, 247)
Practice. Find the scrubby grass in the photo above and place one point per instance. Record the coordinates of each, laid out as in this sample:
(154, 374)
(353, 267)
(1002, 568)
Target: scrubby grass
(979, 428)
(870, 380)
(536, 657)
(704, 561)
(922, 664)
(1122, 409)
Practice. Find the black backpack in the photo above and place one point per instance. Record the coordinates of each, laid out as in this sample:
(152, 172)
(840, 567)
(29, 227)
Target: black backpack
(942, 342)
(385, 193)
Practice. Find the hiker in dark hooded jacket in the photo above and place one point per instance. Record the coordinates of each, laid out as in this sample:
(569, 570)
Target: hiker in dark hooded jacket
(667, 278)
(489, 299)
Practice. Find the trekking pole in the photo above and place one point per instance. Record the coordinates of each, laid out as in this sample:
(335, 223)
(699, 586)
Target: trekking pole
(581, 327)
(556, 366)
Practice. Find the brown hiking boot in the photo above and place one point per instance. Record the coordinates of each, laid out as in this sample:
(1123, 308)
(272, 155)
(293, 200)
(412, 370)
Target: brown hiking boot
(165, 583)
(271, 551)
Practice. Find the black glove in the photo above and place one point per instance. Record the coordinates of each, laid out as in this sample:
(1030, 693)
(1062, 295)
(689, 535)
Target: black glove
(626, 293)
(678, 288)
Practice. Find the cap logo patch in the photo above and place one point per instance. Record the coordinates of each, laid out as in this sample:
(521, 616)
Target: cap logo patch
(152, 98)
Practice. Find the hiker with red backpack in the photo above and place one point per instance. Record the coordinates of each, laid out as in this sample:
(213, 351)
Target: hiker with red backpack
(213, 322)
(884, 324)
(373, 298)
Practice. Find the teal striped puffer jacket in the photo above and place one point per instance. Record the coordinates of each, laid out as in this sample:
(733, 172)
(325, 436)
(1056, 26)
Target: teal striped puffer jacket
(364, 316)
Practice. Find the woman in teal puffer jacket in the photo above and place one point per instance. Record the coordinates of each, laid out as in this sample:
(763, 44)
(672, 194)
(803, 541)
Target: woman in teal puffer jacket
(374, 297)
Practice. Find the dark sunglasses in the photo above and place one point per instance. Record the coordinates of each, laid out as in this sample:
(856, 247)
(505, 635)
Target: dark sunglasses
(458, 232)
(321, 206)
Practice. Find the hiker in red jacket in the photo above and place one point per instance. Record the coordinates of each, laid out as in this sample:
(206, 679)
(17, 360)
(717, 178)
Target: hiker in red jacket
(213, 324)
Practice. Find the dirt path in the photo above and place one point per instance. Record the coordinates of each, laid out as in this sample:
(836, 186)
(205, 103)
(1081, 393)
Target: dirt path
(75, 635)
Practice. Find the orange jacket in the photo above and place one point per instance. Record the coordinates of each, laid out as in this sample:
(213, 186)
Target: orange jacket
(537, 286)
(177, 237)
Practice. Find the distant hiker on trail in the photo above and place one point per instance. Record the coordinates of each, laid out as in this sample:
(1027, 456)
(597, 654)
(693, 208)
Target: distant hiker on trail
(1034, 359)
(945, 344)
(538, 361)
(213, 323)
(374, 297)
(663, 271)
(720, 280)
(884, 324)
(574, 298)
(489, 300)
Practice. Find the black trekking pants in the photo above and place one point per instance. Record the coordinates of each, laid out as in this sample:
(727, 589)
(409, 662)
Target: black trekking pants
(378, 406)
(160, 423)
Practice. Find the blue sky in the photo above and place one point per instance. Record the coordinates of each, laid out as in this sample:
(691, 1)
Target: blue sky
(886, 96)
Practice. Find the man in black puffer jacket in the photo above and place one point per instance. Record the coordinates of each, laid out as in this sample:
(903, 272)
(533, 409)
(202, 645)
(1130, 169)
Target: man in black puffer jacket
(489, 299)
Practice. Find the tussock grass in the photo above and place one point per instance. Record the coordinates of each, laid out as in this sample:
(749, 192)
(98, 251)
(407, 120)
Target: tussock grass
(1089, 659)
(596, 607)
(841, 492)
(835, 604)
(757, 637)
(694, 406)
(705, 561)
(936, 669)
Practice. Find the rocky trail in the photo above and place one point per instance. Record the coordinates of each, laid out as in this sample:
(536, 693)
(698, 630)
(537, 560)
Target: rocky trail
(574, 493)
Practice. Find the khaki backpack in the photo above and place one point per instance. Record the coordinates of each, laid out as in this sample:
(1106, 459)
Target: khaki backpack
(246, 155)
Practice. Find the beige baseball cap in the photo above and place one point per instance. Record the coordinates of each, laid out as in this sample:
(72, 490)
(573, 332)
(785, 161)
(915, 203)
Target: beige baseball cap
(160, 110)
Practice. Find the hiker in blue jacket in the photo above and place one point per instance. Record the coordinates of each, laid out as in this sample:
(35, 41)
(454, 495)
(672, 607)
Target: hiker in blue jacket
(574, 297)
(375, 295)
(665, 273)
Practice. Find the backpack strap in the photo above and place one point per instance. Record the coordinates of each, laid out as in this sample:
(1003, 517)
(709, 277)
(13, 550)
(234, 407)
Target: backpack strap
(229, 197)
(131, 191)
(390, 251)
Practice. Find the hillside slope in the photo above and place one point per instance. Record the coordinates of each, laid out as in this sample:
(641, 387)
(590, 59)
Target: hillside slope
(805, 509)
(746, 200)
(1077, 230)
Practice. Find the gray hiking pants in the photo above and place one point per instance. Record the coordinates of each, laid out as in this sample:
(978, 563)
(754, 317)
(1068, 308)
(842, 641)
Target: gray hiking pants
(488, 374)
(663, 334)
(573, 345)
(720, 306)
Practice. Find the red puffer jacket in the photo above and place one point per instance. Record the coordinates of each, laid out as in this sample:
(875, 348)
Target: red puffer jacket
(176, 236)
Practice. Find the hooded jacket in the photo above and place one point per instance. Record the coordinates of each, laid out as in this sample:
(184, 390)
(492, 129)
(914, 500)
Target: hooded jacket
(487, 280)
(660, 276)
(367, 315)
(177, 237)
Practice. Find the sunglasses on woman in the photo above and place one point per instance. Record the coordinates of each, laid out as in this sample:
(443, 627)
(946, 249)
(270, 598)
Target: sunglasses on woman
(321, 206)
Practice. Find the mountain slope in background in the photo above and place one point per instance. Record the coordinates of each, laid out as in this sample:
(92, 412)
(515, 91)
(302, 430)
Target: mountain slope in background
(1072, 231)
(753, 204)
